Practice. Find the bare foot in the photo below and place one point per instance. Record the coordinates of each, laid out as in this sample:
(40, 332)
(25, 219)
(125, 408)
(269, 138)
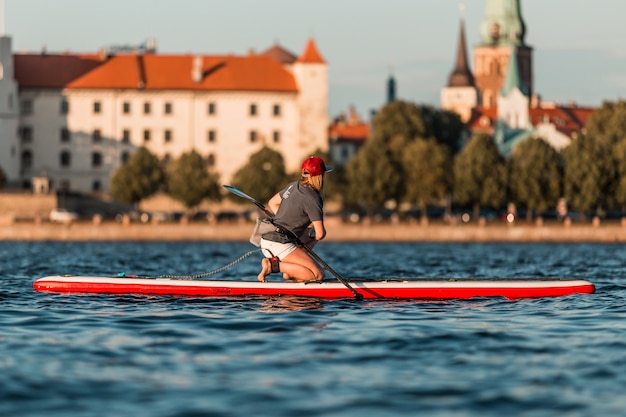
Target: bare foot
(266, 269)
(286, 277)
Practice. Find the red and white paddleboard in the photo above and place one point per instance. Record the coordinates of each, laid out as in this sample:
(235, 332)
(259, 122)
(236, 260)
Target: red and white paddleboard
(383, 288)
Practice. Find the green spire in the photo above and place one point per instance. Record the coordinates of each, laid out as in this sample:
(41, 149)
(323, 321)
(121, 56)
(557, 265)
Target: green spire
(512, 79)
(503, 24)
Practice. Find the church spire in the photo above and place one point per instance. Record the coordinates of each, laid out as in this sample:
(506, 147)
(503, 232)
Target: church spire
(512, 79)
(503, 24)
(461, 76)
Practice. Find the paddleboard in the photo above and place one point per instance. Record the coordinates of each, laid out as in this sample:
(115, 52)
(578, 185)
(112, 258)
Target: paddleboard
(380, 288)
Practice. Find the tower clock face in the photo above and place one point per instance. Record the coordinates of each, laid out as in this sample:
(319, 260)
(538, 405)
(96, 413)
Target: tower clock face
(494, 31)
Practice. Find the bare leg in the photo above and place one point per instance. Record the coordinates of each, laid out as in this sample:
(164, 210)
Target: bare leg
(266, 269)
(298, 265)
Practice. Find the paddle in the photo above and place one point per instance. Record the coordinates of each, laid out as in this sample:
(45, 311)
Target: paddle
(295, 238)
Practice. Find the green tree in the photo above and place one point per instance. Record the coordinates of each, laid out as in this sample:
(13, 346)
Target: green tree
(427, 172)
(479, 174)
(373, 176)
(535, 176)
(190, 182)
(608, 123)
(619, 151)
(262, 177)
(140, 177)
(399, 123)
(589, 174)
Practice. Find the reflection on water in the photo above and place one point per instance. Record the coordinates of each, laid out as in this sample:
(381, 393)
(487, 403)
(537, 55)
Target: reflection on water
(289, 303)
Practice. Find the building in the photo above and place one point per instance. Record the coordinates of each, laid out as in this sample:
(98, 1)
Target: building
(9, 112)
(80, 116)
(498, 98)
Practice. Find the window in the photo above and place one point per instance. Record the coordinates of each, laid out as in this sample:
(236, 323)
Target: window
(253, 110)
(26, 107)
(147, 108)
(96, 136)
(146, 135)
(65, 107)
(212, 136)
(126, 107)
(65, 159)
(65, 134)
(276, 136)
(126, 136)
(125, 157)
(26, 134)
(212, 108)
(27, 159)
(97, 107)
(210, 160)
(253, 136)
(276, 110)
(95, 186)
(168, 136)
(96, 159)
(168, 108)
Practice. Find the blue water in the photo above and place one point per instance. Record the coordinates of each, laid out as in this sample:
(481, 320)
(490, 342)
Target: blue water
(101, 355)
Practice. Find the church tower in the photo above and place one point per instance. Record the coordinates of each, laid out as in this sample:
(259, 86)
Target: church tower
(502, 34)
(460, 95)
(9, 105)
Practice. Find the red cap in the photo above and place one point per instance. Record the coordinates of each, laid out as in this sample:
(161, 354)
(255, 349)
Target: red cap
(314, 166)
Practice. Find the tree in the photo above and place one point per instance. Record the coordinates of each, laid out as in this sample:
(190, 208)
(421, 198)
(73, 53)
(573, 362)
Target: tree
(589, 174)
(400, 122)
(479, 174)
(427, 172)
(619, 151)
(190, 182)
(373, 176)
(140, 177)
(608, 123)
(3, 178)
(263, 176)
(535, 176)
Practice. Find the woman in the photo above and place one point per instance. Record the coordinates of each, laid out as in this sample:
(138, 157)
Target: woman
(299, 209)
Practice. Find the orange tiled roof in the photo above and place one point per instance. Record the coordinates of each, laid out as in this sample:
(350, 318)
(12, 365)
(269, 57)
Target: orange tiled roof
(311, 55)
(566, 119)
(157, 72)
(349, 132)
(51, 71)
(280, 54)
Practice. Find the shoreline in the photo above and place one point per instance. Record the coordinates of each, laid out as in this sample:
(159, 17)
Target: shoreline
(176, 232)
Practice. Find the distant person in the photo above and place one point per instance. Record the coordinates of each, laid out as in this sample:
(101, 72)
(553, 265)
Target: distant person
(299, 209)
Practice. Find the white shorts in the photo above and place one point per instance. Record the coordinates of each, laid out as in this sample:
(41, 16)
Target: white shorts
(281, 250)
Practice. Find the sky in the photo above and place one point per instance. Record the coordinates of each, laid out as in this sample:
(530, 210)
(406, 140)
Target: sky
(579, 46)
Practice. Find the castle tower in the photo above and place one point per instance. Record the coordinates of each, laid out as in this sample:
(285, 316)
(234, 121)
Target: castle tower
(311, 73)
(9, 105)
(460, 95)
(391, 89)
(502, 33)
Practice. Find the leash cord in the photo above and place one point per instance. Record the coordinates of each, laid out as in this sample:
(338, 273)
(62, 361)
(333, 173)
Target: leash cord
(213, 272)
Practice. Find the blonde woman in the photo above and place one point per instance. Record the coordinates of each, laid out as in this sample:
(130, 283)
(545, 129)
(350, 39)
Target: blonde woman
(299, 209)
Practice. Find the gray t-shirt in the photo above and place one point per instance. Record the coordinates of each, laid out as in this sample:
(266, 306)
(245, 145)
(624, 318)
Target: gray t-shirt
(299, 207)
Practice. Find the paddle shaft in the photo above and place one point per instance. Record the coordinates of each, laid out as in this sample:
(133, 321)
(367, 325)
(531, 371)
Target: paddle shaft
(295, 238)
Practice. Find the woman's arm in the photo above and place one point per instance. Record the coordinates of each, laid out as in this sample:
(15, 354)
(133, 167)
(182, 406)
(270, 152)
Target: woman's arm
(320, 230)
(274, 203)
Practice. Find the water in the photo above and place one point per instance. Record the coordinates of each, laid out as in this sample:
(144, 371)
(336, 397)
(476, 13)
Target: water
(101, 355)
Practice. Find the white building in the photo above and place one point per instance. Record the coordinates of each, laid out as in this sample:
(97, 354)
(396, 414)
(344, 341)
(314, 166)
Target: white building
(9, 100)
(82, 115)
